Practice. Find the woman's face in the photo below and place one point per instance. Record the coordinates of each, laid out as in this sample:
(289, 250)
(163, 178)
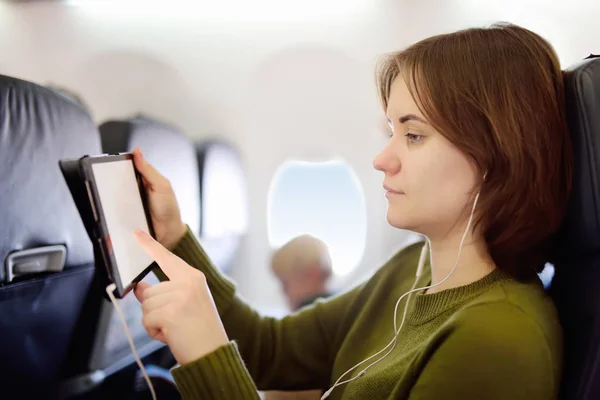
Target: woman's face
(428, 182)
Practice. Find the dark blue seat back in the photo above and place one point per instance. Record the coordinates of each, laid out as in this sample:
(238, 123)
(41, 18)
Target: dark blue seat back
(41, 307)
(576, 284)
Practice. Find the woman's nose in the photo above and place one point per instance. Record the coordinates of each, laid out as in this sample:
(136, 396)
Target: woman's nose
(387, 161)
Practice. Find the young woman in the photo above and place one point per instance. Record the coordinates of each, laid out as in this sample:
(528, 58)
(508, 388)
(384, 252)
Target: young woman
(479, 162)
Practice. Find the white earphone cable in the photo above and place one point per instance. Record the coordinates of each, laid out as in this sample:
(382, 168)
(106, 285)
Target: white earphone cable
(109, 290)
(397, 331)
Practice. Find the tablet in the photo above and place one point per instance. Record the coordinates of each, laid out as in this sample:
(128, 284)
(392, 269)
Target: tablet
(118, 204)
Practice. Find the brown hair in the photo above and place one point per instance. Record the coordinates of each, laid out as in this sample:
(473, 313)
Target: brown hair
(497, 94)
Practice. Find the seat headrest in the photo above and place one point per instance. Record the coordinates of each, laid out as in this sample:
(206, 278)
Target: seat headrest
(38, 127)
(222, 227)
(168, 150)
(219, 161)
(580, 233)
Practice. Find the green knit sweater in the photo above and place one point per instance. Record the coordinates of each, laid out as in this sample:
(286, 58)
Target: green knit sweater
(496, 338)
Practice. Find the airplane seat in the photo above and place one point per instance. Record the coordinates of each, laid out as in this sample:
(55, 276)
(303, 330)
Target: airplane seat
(576, 283)
(167, 149)
(47, 255)
(224, 197)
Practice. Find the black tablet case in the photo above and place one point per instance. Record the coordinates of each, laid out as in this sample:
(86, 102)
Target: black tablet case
(72, 172)
(75, 180)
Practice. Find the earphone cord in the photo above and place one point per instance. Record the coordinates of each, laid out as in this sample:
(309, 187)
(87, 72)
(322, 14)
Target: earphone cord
(109, 290)
(397, 331)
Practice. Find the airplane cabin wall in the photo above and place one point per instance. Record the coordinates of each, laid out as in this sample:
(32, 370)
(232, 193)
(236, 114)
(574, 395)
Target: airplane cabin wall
(299, 89)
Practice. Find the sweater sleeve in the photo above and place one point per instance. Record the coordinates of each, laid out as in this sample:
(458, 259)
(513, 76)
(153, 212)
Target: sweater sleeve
(494, 352)
(218, 375)
(294, 353)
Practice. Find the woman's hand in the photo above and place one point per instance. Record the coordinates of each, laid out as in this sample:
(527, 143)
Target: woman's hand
(179, 312)
(164, 210)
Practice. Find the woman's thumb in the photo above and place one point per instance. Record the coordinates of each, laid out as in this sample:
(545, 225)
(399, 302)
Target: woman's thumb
(139, 290)
(148, 172)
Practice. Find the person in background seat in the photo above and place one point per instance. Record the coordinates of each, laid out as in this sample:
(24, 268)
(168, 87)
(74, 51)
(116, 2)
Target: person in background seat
(303, 267)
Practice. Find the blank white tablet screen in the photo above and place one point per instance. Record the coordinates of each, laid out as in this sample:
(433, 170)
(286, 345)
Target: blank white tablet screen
(123, 212)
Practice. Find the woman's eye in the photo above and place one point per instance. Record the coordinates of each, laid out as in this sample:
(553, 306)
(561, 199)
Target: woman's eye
(412, 138)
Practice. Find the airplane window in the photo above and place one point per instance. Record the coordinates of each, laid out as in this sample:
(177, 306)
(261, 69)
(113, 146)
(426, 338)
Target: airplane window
(322, 199)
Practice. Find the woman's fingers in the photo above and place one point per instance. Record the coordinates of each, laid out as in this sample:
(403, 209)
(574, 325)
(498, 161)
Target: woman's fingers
(140, 289)
(153, 322)
(158, 289)
(144, 291)
(171, 265)
(154, 178)
(156, 302)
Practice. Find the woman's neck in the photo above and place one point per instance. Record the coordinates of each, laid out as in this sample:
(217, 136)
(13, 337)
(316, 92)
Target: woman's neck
(474, 263)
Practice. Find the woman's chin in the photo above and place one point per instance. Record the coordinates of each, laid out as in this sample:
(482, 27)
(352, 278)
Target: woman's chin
(398, 221)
